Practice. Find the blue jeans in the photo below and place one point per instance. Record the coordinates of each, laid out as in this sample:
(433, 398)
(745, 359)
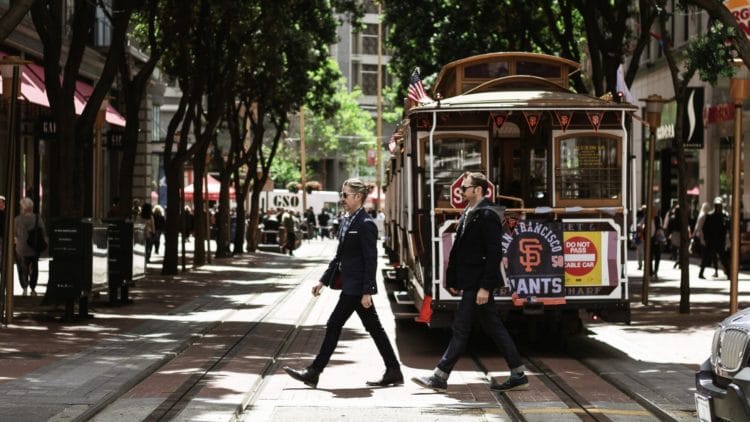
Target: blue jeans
(491, 324)
(345, 307)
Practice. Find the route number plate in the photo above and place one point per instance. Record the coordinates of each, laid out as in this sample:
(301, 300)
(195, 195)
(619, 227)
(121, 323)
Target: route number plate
(703, 406)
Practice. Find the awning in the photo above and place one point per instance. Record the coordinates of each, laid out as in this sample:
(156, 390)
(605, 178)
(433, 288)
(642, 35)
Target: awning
(83, 91)
(214, 188)
(32, 88)
(34, 91)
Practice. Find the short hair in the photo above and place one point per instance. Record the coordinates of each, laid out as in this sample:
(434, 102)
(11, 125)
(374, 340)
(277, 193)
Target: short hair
(358, 186)
(478, 179)
(27, 204)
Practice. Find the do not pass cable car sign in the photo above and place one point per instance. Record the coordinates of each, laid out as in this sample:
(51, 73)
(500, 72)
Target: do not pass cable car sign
(457, 198)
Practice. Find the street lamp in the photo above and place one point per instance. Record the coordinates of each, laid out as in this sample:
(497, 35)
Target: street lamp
(654, 105)
(10, 68)
(738, 89)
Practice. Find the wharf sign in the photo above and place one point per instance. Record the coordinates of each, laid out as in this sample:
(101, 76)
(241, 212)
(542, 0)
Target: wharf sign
(533, 258)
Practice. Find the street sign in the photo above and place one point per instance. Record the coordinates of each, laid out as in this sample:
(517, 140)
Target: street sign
(457, 198)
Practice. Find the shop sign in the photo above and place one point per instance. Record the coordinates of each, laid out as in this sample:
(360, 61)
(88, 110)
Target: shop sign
(115, 139)
(46, 128)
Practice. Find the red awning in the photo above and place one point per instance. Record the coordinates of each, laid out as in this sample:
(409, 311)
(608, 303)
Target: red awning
(83, 91)
(214, 187)
(34, 91)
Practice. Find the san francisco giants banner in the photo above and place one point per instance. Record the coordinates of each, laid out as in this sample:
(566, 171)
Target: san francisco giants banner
(533, 258)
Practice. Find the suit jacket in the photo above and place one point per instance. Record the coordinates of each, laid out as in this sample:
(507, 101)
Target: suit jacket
(476, 253)
(356, 257)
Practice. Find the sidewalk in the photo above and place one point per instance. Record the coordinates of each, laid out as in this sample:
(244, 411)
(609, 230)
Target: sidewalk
(54, 370)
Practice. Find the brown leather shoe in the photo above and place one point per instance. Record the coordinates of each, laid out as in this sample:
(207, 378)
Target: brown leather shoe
(308, 375)
(392, 376)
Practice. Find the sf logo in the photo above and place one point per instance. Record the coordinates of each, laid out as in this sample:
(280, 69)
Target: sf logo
(531, 255)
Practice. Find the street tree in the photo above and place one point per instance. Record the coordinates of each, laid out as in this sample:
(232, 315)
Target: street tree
(200, 53)
(134, 79)
(279, 68)
(74, 132)
(13, 16)
(347, 135)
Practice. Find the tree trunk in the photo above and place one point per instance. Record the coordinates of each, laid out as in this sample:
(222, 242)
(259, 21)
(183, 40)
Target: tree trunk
(199, 208)
(174, 223)
(253, 220)
(223, 219)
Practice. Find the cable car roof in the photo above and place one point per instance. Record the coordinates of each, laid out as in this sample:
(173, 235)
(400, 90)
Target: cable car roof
(524, 99)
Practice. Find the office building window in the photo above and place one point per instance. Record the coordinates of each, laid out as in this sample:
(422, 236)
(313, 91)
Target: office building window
(156, 124)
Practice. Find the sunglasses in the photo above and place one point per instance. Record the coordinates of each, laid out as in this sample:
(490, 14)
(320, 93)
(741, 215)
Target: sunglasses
(463, 188)
(344, 195)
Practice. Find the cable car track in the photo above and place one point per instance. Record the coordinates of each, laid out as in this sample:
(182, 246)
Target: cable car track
(182, 396)
(574, 400)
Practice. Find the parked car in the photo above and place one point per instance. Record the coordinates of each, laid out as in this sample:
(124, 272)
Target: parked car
(723, 380)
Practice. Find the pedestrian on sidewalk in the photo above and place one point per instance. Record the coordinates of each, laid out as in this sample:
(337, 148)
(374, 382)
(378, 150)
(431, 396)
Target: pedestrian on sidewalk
(160, 225)
(356, 264)
(714, 234)
(673, 229)
(698, 241)
(474, 273)
(640, 229)
(27, 257)
(146, 217)
(658, 242)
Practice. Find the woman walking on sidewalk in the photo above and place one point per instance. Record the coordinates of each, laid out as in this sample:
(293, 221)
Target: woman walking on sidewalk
(27, 256)
(355, 263)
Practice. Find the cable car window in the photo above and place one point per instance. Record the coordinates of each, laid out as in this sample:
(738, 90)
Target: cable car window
(543, 70)
(453, 156)
(589, 168)
(489, 70)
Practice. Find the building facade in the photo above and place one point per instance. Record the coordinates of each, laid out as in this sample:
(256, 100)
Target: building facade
(710, 125)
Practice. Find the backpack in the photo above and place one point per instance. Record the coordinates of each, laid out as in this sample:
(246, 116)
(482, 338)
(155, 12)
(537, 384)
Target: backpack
(35, 238)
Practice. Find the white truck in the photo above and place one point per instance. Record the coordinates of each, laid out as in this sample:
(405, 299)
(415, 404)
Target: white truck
(282, 198)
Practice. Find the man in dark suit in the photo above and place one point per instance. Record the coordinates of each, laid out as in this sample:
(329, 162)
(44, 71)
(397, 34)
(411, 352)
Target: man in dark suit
(356, 263)
(474, 273)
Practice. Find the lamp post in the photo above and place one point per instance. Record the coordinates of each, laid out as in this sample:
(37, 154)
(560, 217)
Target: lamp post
(11, 73)
(738, 89)
(96, 201)
(654, 105)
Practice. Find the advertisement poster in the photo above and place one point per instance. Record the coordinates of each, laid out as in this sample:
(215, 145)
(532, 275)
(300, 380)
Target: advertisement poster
(533, 258)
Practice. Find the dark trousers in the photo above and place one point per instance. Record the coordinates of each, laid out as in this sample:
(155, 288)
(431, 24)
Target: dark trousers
(28, 271)
(345, 307)
(490, 321)
(711, 255)
(655, 256)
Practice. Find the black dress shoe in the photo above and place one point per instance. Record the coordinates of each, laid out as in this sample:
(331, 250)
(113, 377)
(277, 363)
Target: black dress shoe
(308, 375)
(392, 376)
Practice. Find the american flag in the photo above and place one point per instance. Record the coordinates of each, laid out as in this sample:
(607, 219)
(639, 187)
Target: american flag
(416, 89)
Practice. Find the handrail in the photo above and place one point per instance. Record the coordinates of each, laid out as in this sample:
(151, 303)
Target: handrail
(547, 210)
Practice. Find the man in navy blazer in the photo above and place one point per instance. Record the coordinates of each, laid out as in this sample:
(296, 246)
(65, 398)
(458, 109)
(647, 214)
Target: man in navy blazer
(474, 273)
(354, 266)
